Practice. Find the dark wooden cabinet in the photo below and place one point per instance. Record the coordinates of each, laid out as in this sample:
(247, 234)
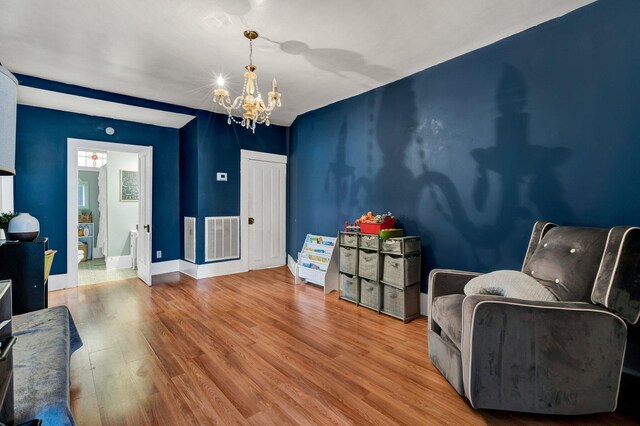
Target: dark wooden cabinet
(23, 264)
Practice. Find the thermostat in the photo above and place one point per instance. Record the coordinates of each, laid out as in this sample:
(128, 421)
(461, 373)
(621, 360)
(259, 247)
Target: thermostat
(221, 176)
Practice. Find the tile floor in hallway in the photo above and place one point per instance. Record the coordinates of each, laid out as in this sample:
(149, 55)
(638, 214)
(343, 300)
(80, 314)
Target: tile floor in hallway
(95, 271)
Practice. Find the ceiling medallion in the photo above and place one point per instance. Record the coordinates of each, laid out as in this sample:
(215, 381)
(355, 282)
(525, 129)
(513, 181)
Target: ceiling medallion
(255, 110)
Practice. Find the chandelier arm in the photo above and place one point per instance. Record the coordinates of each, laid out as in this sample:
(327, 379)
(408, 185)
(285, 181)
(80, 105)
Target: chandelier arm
(237, 102)
(230, 106)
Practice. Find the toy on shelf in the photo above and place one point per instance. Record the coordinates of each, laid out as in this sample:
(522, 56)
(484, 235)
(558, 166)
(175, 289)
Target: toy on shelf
(373, 224)
(391, 233)
(351, 228)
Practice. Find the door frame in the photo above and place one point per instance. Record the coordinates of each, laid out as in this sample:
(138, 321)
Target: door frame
(245, 156)
(73, 145)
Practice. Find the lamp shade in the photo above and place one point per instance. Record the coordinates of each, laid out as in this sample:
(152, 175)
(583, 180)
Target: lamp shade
(8, 112)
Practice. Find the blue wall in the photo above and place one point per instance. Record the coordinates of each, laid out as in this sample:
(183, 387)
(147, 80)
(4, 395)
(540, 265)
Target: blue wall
(188, 175)
(40, 184)
(470, 153)
(217, 149)
(185, 164)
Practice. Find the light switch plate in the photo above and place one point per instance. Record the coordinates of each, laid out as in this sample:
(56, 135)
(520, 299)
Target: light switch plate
(221, 176)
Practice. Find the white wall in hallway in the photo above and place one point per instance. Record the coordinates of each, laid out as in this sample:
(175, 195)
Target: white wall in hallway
(122, 216)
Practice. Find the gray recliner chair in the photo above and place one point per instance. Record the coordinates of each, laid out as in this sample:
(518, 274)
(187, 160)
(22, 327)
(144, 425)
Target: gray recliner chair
(563, 357)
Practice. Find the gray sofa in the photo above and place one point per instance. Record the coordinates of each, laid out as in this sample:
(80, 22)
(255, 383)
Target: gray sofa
(563, 357)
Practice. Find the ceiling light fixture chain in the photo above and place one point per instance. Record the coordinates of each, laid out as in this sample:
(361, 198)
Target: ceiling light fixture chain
(255, 110)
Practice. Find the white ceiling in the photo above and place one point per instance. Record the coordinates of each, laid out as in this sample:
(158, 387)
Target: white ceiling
(320, 51)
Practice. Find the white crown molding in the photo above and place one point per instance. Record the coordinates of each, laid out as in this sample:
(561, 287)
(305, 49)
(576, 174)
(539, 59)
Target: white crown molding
(71, 103)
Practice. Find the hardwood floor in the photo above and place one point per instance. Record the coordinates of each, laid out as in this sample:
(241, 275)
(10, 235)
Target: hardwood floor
(254, 348)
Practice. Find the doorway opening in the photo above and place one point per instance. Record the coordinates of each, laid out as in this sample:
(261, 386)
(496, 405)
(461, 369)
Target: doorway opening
(109, 212)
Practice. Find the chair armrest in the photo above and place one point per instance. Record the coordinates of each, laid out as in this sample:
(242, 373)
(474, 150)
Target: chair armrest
(541, 357)
(446, 281)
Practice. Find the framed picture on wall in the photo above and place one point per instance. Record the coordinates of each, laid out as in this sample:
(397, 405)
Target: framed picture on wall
(129, 186)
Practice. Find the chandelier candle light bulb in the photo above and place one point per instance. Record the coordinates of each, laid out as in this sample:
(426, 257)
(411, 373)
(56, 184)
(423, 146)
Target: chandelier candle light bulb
(255, 110)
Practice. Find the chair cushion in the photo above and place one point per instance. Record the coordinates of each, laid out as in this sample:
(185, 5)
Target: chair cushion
(566, 261)
(446, 311)
(509, 284)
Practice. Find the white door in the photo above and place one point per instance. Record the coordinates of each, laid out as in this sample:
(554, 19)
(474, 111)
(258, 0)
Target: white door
(267, 214)
(144, 222)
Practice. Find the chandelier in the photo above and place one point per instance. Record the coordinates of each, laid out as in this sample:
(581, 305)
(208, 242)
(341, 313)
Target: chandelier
(255, 110)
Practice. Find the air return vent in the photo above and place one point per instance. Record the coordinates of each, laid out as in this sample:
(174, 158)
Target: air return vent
(221, 238)
(190, 239)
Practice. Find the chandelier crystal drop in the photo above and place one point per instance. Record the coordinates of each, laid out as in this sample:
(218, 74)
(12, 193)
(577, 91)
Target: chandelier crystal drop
(255, 110)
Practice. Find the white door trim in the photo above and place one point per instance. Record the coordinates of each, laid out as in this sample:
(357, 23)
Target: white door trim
(73, 145)
(245, 156)
(145, 217)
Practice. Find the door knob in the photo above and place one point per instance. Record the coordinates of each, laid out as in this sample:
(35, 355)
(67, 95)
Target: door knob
(251, 221)
(147, 227)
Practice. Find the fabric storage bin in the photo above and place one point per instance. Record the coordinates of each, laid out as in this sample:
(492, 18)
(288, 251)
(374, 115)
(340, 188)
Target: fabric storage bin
(350, 240)
(402, 245)
(369, 294)
(401, 303)
(368, 264)
(401, 271)
(348, 260)
(349, 287)
(369, 241)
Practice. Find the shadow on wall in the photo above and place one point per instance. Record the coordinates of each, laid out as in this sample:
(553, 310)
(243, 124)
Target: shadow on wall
(341, 176)
(525, 173)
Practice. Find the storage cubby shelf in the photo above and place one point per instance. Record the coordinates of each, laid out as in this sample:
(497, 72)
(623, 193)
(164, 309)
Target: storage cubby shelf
(361, 267)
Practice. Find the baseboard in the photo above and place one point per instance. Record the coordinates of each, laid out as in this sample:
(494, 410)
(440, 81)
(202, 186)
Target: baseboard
(97, 254)
(220, 268)
(424, 304)
(209, 270)
(118, 262)
(165, 267)
(292, 264)
(57, 282)
(189, 268)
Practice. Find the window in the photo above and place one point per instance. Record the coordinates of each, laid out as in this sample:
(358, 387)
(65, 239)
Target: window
(92, 159)
(83, 194)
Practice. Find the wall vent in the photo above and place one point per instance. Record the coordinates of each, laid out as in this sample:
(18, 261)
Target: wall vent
(190, 239)
(221, 238)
